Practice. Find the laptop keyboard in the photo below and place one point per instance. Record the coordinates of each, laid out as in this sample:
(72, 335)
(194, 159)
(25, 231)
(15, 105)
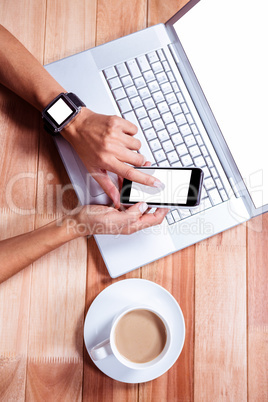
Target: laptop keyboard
(149, 96)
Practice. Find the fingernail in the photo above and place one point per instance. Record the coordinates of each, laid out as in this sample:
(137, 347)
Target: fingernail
(143, 207)
(144, 160)
(159, 184)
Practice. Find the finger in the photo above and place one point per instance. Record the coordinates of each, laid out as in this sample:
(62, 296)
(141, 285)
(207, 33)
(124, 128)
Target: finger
(137, 210)
(124, 170)
(128, 127)
(129, 142)
(133, 158)
(148, 220)
(108, 186)
(147, 164)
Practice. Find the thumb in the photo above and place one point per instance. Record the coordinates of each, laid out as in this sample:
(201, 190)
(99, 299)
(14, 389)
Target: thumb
(137, 210)
(101, 176)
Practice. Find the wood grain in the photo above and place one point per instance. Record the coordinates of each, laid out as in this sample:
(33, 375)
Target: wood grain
(220, 361)
(18, 178)
(55, 355)
(258, 309)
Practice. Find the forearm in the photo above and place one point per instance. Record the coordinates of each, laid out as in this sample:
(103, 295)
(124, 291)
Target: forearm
(18, 252)
(23, 74)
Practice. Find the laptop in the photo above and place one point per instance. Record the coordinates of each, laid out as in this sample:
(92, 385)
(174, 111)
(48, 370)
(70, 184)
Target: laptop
(196, 87)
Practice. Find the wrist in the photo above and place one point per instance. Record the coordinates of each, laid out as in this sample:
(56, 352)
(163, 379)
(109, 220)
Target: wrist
(75, 126)
(61, 111)
(77, 224)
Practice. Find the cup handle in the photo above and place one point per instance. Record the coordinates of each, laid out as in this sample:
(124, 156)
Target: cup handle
(101, 350)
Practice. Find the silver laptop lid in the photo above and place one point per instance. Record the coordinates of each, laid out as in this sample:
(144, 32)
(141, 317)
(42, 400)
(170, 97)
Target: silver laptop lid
(225, 42)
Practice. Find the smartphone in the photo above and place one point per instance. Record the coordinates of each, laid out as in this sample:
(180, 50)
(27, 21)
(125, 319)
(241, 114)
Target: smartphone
(181, 187)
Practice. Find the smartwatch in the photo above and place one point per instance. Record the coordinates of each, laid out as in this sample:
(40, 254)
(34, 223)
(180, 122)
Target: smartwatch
(60, 112)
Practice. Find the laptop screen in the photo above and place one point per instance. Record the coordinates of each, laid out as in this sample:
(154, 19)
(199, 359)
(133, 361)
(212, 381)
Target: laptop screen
(226, 43)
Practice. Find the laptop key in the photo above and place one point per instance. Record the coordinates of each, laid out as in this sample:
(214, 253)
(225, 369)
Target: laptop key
(127, 81)
(166, 87)
(185, 129)
(150, 134)
(110, 72)
(124, 105)
(131, 91)
(136, 102)
(172, 156)
(163, 135)
(152, 57)
(175, 108)
(155, 144)
(144, 93)
(141, 112)
(199, 161)
(133, 68)
(119, 93)
(145, 123)
(168, 146)
(161, 77)
(158, 124)
(143, 63)
(159, 155)
(157, 67)
(153, 86)
(180, 119)
(149, 76)
(158, 96)
(164, 163)
(121, 69)
(194, 151)
(154, 114)
(161, 55)
(209, 183)
(163, 107)
(139, 82)
(177, 139)
(170, 218)
(167, 117)
(114, 83)
(186, 160)
(214, 196)
(148, 103)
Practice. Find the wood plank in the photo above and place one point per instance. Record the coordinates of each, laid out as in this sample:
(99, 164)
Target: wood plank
(96, 385)
(18, 176)
(220, 371)
(258, 309)
(114, 19)
(176, 274)
(55, 356)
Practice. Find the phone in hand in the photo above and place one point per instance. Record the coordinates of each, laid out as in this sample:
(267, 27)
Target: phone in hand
(181, 187)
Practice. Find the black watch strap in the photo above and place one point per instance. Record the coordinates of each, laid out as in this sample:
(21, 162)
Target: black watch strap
(77, 101)
(74, 99)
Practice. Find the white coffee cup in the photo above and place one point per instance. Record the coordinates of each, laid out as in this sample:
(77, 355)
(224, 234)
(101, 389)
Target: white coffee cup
(144, 317)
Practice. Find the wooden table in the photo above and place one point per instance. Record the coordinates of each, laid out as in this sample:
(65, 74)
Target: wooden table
(220, 283)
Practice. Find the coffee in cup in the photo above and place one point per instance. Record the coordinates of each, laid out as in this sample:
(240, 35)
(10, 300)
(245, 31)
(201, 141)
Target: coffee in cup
(139, 338)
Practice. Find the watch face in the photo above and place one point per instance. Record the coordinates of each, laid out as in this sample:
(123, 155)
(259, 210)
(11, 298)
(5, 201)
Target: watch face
(60, 111)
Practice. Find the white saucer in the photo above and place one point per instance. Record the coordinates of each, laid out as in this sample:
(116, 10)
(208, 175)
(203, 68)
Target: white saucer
(122, 294)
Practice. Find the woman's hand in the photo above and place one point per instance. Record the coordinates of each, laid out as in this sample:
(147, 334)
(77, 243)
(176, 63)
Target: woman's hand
(98, 219)
(106, 143)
